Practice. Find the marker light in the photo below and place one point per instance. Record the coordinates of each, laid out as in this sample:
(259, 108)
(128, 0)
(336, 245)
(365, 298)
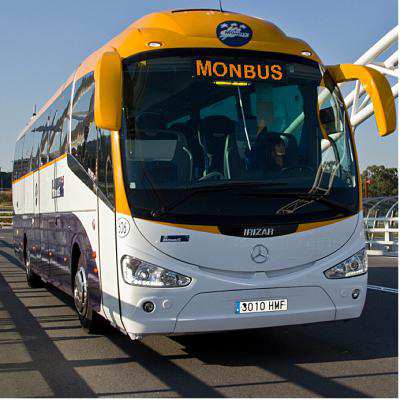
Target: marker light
(154, 44)
(353, 266)
(141, 273)
(306, 53)
(228, 83)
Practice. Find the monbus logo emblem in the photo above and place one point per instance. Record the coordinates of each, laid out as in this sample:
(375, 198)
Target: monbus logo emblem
(234, 33)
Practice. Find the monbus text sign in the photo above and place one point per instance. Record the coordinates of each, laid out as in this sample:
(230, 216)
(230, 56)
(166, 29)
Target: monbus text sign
(223, 70)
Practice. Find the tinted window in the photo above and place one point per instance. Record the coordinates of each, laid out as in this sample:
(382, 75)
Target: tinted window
(82, 116)
(18, 158)
(35, 149)
(89, 161)
(65, 120)
(43, 129)
(54, 130)
(27, 152)
(105, 169)
(268, 130)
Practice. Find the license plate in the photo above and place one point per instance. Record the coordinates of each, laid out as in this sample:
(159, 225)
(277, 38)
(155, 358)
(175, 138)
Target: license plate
(245, 307)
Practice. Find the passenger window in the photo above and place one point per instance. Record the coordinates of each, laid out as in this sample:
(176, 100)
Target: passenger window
(27, 153)
(43, 128)
(35, 150)
(90, 152)
(53, 134)
(82, 116)
(18, 159)
(65, 120)
(105, 167)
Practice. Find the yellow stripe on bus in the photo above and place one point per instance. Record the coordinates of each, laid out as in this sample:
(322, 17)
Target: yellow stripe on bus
(40, 168)
(215, 229)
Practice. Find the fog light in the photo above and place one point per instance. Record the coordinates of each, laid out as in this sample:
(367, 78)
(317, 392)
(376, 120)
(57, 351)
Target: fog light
(148, 306)
(355, 293)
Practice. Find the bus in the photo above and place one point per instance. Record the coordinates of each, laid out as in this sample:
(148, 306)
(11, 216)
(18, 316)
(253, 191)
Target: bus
(198, 173)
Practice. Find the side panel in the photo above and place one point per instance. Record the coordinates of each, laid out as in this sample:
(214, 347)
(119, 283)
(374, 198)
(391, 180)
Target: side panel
(75, 219)
(46, 209)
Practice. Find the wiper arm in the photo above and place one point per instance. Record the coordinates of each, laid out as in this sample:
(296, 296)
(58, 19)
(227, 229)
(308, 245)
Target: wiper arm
(304, 199)
(209, 188)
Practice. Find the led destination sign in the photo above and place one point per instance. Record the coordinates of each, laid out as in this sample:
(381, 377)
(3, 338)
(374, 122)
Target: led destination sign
(234, 71)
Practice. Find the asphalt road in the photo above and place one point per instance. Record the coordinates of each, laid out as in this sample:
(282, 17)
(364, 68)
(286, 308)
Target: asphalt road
(44, 352)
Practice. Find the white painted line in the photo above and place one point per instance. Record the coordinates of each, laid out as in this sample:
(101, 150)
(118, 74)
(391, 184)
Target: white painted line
(383, 289)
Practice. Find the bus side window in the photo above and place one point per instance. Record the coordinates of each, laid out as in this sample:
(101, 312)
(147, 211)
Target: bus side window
(55, 129)
(18, 159)
(35, 149)
(43, 143)
(105, 167)
(64, 109)
(90, 151)
(27, 153)
(80, 119)
(53, 146)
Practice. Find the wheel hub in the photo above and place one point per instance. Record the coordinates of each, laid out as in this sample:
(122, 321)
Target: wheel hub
(80, 292)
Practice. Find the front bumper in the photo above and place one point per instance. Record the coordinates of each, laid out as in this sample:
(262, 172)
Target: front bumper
(215, 311)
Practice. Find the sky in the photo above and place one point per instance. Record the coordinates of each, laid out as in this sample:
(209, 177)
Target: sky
(43, 41)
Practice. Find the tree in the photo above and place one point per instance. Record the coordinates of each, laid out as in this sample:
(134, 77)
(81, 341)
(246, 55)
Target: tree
(381, 181)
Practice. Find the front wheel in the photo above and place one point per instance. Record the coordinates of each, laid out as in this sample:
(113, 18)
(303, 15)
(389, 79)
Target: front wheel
(34, 281)
(89, 319)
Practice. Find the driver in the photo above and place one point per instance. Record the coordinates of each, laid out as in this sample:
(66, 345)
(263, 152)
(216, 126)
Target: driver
(269, 156)
(277, 159)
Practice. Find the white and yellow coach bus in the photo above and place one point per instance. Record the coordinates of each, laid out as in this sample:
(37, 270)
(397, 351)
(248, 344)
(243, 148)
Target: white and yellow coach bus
(198, 173)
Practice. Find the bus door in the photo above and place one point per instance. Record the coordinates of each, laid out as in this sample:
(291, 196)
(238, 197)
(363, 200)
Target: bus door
(45, 203)
(107, 231)
(35, 201)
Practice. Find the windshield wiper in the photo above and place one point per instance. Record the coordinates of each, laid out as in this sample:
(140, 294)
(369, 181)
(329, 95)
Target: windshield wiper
(302, 199)
(211, 188)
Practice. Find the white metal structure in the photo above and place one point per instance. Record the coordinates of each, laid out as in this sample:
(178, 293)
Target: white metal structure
(381, 225)
(357, 101)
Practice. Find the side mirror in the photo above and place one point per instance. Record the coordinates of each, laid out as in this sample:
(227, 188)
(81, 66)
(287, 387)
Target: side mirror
(108, 92)
(378, 89)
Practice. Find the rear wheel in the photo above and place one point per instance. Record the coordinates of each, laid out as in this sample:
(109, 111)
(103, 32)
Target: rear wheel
(88, 318)
(33, 279)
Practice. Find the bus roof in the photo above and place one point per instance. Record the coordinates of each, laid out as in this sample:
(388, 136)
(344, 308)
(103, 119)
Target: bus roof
(192, 28)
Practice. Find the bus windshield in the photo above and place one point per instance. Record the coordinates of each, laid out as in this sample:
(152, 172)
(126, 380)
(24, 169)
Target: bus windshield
(208, 138)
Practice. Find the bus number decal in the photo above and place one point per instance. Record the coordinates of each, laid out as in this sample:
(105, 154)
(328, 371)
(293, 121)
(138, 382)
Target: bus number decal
(123, 227)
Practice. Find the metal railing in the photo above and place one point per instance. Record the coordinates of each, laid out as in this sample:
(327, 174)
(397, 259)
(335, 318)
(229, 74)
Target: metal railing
(381, 225)
(6, 214)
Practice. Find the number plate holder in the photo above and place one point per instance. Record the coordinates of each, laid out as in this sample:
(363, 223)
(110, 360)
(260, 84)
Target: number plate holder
(261, 306)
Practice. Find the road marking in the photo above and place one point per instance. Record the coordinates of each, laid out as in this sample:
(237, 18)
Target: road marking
(383, 289)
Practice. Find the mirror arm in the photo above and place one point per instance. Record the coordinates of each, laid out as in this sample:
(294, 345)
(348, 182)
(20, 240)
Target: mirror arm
(378, 89)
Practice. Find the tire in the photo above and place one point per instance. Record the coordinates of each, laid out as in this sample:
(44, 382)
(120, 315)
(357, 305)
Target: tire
(91, 322)
(34, 281)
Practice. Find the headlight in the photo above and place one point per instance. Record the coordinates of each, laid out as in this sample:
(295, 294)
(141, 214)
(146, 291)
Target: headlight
(354, 265)
(141, 273)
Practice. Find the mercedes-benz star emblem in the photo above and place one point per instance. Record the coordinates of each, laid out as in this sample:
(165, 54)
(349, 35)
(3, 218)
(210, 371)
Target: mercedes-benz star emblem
(259, 254)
